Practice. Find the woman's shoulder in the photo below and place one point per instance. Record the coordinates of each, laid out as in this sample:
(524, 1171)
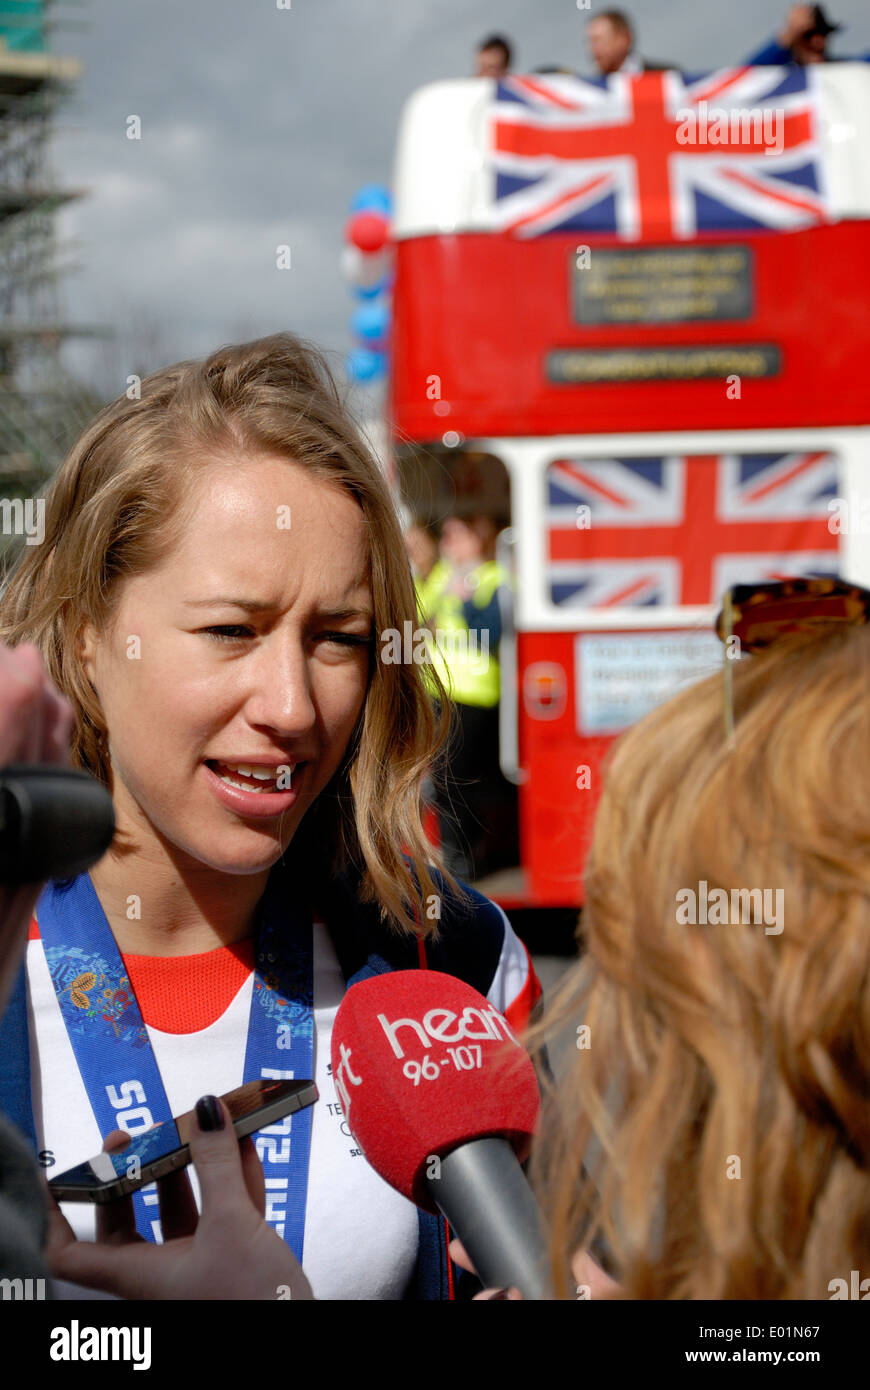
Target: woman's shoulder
(468, 936)
(468, 911)
(477, 943)
(474, 940)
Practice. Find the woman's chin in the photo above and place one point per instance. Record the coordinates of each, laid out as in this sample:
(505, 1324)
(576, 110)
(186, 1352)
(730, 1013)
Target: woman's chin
(248, 853)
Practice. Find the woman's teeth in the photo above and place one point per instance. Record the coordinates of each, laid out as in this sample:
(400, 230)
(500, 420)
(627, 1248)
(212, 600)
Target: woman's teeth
(266, 776)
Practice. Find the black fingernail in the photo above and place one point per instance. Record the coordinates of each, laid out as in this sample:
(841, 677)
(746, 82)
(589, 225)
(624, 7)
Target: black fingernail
(209, 1115)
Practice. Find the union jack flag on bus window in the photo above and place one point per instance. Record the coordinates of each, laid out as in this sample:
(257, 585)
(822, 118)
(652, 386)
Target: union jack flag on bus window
(658, 154)
(681, 530)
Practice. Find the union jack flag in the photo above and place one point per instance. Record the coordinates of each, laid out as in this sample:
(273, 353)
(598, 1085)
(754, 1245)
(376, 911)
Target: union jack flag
(612, 155)
(672, 531)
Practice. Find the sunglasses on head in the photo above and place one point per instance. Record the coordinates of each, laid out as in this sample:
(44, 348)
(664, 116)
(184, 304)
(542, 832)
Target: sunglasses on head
(758, 615)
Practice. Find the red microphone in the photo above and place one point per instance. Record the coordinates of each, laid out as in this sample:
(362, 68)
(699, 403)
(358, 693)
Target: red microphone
(443, 1100)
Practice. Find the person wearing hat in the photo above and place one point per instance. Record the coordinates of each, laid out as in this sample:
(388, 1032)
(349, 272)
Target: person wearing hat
(804, 40)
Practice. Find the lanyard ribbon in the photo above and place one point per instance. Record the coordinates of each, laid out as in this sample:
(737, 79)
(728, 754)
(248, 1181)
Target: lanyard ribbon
(114, 1053)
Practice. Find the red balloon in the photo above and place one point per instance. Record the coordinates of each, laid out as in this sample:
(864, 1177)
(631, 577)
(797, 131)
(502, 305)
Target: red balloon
(368, 230)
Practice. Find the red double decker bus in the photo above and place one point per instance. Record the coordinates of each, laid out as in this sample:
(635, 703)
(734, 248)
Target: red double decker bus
(631, 320)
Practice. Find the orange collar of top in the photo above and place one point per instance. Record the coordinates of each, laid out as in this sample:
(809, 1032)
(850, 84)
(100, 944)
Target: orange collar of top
(184, 994)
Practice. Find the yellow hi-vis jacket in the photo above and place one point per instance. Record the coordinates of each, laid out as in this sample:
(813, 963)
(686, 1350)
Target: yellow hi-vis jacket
(431, 588)
(467, 666)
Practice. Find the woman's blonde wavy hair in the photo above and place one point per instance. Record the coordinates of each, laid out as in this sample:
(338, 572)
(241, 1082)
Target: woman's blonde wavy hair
(116, 510)
(726, 1081)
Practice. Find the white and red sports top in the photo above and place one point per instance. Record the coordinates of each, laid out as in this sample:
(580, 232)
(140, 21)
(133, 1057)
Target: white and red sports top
(360, 1235)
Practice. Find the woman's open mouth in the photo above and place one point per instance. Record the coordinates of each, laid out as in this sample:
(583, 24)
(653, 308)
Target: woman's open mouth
(254, 788)
(254, 778)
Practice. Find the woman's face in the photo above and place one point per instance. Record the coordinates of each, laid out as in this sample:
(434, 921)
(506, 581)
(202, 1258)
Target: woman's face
(248, 646)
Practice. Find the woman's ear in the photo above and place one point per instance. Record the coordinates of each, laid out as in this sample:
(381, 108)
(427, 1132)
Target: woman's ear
(87, 651)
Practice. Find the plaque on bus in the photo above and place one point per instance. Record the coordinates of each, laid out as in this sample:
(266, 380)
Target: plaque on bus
(662, 284)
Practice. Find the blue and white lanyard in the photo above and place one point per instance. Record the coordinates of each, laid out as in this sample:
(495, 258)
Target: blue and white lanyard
(116, 1059)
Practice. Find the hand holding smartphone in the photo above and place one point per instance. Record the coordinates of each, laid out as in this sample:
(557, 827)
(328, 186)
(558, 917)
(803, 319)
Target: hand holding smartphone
(226, 1252)
(166, 1148)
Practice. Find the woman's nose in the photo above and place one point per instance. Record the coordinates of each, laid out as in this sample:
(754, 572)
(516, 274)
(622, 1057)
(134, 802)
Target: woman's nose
(280, 693)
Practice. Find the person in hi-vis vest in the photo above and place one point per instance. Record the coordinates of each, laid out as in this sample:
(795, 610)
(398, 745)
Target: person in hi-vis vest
(465, 617)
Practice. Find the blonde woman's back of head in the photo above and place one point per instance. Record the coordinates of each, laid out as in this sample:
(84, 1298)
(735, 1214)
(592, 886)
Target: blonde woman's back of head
(726, 1080)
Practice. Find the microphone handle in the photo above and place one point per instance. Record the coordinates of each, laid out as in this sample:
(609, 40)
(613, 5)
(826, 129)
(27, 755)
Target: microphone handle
(485, 1196)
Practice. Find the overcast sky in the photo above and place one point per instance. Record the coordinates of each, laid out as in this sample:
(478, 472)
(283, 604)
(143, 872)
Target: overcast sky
(258, 125)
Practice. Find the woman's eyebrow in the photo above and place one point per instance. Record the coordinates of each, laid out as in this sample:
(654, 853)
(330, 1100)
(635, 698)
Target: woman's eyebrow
(253, 605)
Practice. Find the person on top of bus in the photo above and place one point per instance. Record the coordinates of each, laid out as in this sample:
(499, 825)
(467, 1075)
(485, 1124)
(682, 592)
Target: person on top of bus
(610, 41)
(221, 561)
(494, 57)
(804, 40)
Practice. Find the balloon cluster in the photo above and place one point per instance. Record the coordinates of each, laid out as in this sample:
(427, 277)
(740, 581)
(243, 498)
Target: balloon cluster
(367, 263)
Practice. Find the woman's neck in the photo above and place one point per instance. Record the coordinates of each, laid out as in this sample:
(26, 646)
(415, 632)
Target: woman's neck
(158, 909)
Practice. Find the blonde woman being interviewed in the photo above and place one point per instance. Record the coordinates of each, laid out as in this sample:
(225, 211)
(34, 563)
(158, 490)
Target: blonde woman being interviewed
(220, 558)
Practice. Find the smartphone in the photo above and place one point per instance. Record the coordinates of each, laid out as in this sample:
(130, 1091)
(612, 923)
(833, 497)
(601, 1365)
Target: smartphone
(166, 1147)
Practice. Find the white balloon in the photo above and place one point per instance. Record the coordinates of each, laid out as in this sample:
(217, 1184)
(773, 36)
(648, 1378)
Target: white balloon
(358, 268)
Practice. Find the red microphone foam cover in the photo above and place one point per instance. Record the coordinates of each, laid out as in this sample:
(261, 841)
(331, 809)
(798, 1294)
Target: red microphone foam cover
(423, 1063)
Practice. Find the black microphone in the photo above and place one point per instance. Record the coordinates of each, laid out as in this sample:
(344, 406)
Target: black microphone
(54, 822)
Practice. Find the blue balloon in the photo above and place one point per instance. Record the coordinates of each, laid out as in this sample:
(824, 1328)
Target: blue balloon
(371, 320)
(363, 365)
(381, 286)
(372, 197)
(368, 291)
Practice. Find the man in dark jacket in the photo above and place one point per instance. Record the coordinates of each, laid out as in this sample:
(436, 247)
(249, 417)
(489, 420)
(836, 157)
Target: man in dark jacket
(804, 40)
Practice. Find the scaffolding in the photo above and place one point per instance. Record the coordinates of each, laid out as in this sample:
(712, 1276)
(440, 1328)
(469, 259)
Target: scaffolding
(42, 408)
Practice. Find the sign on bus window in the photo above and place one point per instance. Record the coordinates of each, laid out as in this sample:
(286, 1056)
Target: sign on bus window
(620, 677)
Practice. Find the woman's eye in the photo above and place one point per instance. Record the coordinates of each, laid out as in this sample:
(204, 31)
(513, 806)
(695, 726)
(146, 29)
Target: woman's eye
(347, 639)
(229, 632)
(237, 632)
